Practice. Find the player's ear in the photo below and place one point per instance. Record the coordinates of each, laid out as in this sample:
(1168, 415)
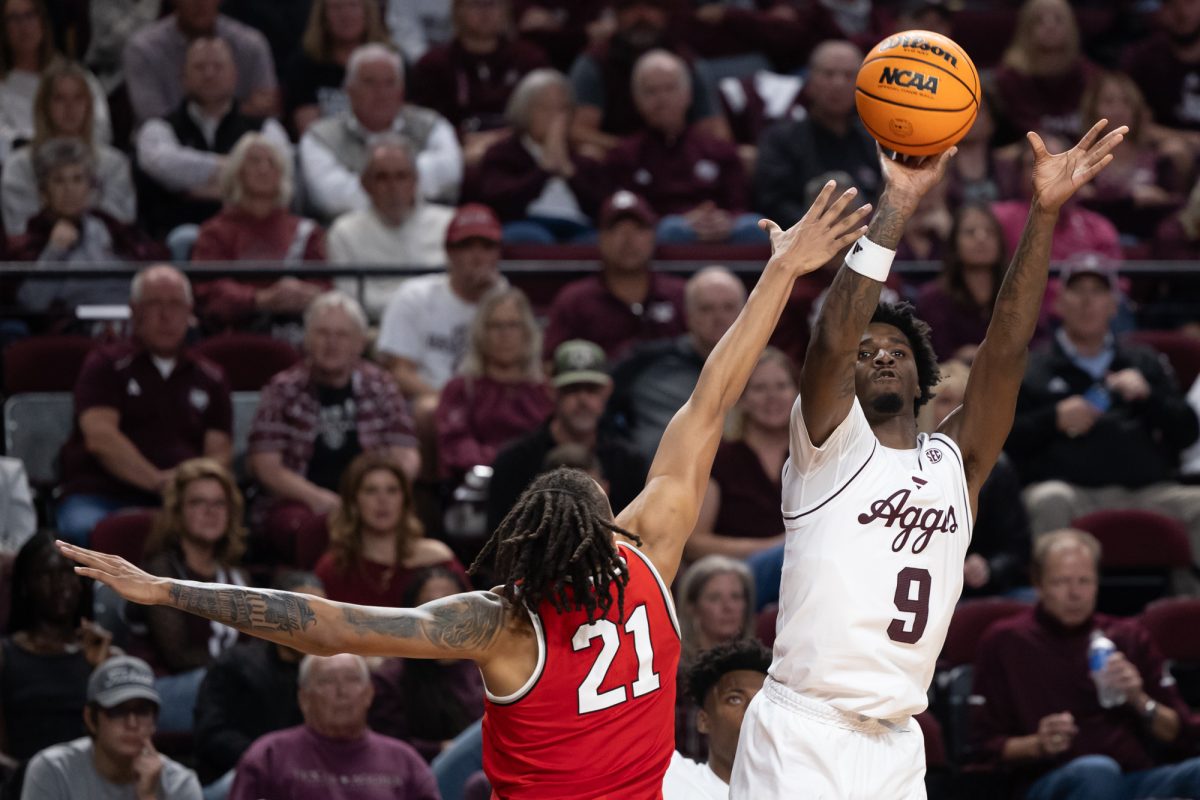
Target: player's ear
(702, 723)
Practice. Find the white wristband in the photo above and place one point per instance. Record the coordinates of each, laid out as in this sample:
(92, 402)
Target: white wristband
(870, 259)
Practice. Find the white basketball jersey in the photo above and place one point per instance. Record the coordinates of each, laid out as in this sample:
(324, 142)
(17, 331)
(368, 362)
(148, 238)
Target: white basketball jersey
(873, 566)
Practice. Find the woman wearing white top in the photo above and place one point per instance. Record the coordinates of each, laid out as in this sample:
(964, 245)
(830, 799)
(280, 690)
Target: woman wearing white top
(26, 49)
(63, 108)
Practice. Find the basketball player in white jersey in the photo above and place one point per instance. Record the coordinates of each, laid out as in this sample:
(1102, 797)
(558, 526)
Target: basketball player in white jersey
(878, 518)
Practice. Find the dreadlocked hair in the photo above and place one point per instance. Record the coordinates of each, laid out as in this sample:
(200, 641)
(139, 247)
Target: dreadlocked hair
(556, 544)
(903, 316)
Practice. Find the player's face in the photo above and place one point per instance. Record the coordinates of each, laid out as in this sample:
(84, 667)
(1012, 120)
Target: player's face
(1068, 586)
(1087, 306)
(885, 373)
(725, 707)
(720, 609)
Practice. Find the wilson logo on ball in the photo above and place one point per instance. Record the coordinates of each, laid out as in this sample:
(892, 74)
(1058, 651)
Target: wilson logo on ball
(918, 43)
(909, 79)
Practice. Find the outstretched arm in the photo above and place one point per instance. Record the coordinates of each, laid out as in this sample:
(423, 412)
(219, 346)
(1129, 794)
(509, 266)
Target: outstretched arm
(463, 626)
(827, 378)
(982, 423)
(664, 514)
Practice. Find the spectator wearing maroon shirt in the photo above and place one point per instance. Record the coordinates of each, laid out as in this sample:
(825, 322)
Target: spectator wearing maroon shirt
(627, 302)
(535, 179)
(377, 544)
(1166, 66)
(469, 79)
(333, 755)
(197, 536)
(144, 406)
(1044, 73)
(694, 180)
(740, 515)
(1036, 708)
(500, 393)
(313, 419)
(830, 138)
(602, 77)
(255, 225)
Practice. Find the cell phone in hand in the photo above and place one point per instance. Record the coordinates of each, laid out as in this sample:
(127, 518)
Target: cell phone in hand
(1099, 397)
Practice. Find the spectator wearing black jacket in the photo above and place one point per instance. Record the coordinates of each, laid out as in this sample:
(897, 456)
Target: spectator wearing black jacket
(1100, 424)
(582, 386)
(250, 690)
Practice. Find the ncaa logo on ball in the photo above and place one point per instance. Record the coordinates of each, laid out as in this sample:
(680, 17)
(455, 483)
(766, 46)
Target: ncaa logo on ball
(907, 79)
(900, 127)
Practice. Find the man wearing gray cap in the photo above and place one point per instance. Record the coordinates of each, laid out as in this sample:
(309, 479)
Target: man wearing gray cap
(116, 760)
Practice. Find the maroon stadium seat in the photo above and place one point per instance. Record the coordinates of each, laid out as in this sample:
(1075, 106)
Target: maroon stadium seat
(764, 625)
(1174, 623)
(971, 620)
(44, 363)
(1135, 539)
(1181, 350)
(124, 533)
(249, 359)
(935, 742)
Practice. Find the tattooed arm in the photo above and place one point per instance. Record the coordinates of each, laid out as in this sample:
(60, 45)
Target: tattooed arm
(827, 378)
(981, 425)
(463, 626)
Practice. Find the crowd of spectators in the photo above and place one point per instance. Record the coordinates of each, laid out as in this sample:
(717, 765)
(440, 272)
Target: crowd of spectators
(444, 136)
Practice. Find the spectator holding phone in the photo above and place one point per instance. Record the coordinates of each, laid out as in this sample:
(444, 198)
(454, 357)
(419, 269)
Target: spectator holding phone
(1100, 424)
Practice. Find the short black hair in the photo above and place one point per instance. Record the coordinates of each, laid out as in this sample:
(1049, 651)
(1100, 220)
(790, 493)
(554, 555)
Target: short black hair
(709, 667)
(904, 317)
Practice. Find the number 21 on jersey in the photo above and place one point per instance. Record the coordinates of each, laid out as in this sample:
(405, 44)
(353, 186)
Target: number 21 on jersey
(637, 625)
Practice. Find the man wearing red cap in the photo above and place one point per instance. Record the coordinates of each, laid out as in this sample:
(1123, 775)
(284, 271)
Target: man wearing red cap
(627, 302)
(424, 330)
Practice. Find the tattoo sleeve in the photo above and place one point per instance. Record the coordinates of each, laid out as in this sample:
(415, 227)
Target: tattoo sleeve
(249, 610)
(468, 622)
(1019, 301)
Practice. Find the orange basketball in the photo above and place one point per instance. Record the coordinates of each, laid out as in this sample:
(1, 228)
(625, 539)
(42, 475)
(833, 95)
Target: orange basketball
(917, 92)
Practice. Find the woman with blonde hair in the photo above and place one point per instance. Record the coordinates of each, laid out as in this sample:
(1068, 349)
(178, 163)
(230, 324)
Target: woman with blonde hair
(197, 536)
(1043, 74)
(63, 107)
(740, 515)
(501, 392)
(376, 542)
(318, 70)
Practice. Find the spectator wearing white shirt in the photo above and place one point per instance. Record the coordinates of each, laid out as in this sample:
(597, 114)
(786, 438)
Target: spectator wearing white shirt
(399, 227)
(180, 155)
(423, 336)
(334, 151)
(722, 681)
(154, 60)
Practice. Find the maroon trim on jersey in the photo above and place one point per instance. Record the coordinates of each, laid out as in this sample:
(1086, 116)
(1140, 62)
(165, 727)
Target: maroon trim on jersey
(668, 601)
(822, 504)
(953, 445)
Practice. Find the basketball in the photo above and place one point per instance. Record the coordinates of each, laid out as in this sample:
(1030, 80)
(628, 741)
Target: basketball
(917, 92)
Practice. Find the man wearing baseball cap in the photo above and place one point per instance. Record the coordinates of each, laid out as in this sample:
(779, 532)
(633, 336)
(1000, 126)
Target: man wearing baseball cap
(116, 759)
(627, 302)
(581, 389)
(1100, 422)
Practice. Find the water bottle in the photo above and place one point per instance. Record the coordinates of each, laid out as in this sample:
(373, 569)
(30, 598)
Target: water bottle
(1098, 653)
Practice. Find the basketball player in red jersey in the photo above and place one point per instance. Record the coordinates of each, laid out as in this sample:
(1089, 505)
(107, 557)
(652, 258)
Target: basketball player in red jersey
(579, 647)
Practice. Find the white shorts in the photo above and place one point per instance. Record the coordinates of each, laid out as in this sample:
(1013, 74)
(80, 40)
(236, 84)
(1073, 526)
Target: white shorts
(795, 748)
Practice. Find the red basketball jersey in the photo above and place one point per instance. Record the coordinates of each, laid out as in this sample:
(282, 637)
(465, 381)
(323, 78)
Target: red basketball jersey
(597, 717)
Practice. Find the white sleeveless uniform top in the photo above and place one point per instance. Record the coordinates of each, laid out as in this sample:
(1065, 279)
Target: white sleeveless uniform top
(872, 569)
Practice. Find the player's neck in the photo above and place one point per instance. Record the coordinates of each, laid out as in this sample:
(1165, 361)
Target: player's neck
(722, 767)
(897, 432)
